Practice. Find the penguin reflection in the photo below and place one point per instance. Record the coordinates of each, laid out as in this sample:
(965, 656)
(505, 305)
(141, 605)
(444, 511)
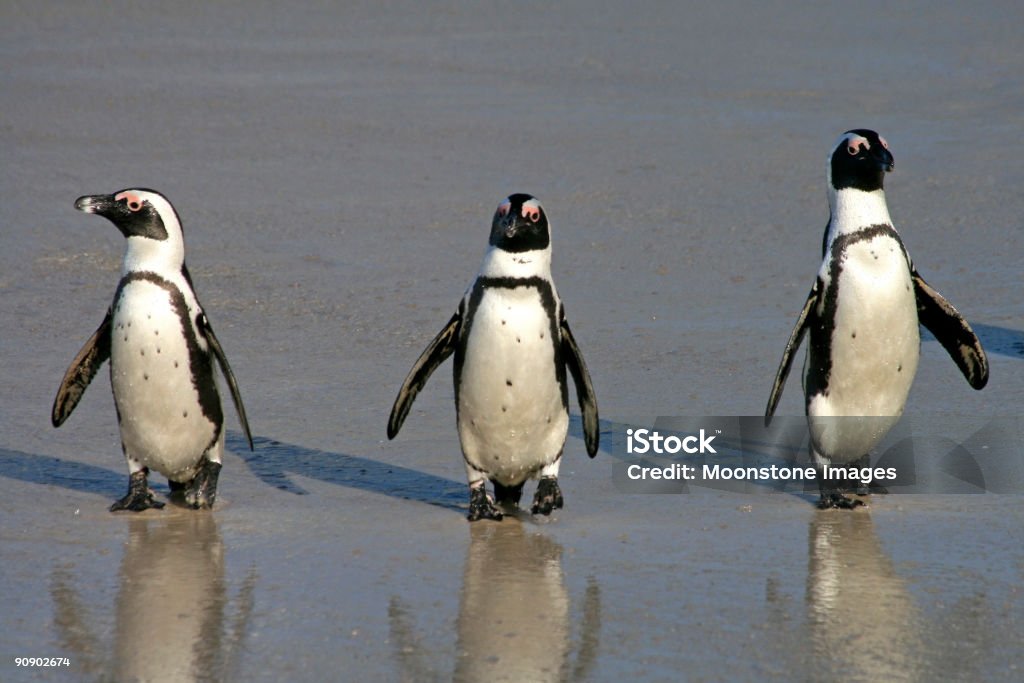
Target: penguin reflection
(170, 609)
(514, 613)
(863, 620)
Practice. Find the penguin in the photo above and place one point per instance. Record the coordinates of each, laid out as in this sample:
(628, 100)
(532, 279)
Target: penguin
(161, 349)
(512, 345)
(863, 314)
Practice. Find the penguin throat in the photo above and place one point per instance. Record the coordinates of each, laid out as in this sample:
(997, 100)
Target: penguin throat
(501, 263)
(854, 209)
(144, 254)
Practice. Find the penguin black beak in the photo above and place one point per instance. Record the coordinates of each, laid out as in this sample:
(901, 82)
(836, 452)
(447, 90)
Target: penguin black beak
(95, 203)
(511, 228)
(885, 160)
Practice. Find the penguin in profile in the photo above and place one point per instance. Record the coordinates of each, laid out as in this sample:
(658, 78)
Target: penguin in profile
(161, 350)
(863, 314)
(512, 345)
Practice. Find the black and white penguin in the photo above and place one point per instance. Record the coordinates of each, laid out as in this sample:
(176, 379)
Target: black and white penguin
(863, 314)
(161, 350)
(512, 345)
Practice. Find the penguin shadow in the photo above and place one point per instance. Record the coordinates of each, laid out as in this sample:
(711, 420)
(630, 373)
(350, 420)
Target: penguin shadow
(515, 621)
(51, 471)
(78, 476)
(1003, 341)
(862, 620)
(174, 617)
(272, 461)
(919, 449)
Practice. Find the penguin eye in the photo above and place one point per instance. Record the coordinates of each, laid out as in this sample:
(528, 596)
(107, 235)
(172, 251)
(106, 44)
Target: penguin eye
(883, 141)
(503, 209)
(855, 144)
(532, 214)
(132, 201)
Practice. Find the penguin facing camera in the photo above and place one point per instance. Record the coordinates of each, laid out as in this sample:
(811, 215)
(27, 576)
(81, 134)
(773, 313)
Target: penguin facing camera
(161, 350)
(512, 345)
(863, 314)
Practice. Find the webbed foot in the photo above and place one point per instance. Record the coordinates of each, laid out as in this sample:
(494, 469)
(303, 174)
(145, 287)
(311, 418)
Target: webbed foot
(864, 488)
(201, 492)
(836, 500)
(548, 496)
(140, 496)
(481, 506)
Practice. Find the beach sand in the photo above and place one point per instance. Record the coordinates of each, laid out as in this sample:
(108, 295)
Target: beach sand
(336, 166)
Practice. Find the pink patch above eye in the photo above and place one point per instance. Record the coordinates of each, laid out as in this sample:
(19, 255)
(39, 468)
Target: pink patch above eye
(532, 213)
(854, 144)
(503, 209)
(883, 141)
(133, 200)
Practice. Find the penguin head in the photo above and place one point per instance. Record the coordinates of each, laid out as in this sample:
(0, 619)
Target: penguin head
(147, 220)
(519, 225)
(859, 160)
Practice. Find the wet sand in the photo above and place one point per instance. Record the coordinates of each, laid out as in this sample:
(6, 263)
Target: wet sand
(336, 169)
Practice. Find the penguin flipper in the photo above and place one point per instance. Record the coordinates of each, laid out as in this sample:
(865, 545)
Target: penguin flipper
(79, 374)
(795, 338)
(436, 353)
(952, 331)
(584, 389)
(218, 352)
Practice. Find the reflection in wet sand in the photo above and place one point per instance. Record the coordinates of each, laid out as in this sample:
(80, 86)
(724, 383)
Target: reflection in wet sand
(171, 605)
(515, 619)
(862, 617)
(865, 621)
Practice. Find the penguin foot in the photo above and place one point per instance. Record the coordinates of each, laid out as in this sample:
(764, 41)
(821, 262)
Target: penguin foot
(201, 492)
(140, 496)
(548, 496)
(836, 500)
(507, 496)
(481, 506)
(864, 488)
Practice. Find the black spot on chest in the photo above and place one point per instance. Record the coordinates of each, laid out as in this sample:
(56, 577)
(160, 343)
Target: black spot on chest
(200, 361)
(547, 299)
(822, 331)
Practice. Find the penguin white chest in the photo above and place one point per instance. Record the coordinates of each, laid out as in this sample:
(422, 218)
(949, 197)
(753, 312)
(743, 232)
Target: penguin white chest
(875, 346)
(512, 417)
(151, 369)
